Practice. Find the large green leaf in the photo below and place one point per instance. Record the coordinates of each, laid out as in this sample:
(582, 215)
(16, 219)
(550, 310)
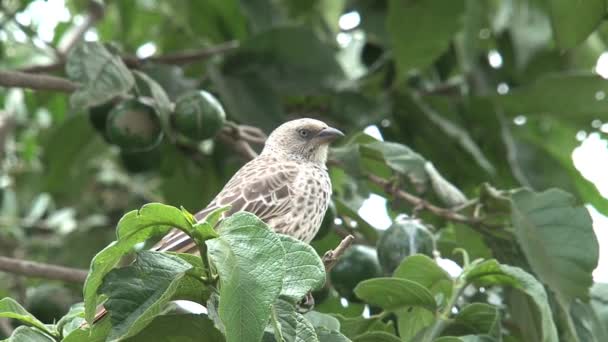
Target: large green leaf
(568, 94)
(102, 75)
(552, 232)
(27, 334)
(290, 59)
(490, 272)
(412, 321)
(137, 293)
(423, 270)
(573, 21)
(293, 326)
(304, 270)
(395, 293)
(376, 336)
(9, 308)
(179, 328)
(352, 327)
(134, 227)
(478, 318)
(250, 261)
(398, 157)
(421, 30)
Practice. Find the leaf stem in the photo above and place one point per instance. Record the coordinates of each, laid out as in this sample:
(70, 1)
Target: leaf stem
(443, 317)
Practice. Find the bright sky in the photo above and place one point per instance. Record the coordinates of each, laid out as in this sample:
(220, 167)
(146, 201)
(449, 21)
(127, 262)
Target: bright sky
(590, 158)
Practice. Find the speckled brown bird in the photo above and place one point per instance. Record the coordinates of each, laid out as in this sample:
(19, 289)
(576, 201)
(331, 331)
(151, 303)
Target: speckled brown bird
(286, 186)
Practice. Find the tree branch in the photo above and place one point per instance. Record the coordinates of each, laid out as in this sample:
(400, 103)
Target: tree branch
(330, 258)
(420, 203)
(36, 82)
(41, 270)
(178, 58)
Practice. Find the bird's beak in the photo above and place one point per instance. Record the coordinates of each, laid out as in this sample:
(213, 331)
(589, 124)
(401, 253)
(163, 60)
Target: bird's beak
(329, 134)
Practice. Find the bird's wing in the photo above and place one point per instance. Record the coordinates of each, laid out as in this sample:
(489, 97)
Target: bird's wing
(263, 187)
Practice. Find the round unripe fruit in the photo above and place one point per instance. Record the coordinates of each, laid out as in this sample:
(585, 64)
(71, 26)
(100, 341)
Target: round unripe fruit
(198, 115)
(358, 263)
(48, 302)
(136, 162)
(98, 116)
(134, 126)
(404, 238)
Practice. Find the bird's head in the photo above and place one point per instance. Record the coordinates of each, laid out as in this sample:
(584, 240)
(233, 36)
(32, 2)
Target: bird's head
(302, 139)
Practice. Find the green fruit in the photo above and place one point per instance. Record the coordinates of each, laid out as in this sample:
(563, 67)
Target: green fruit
(358, 263)
(98, 116)
(327, 223)
(48, 302)
(135, 162)
(134, 126)
(404, 238)
(198, 115)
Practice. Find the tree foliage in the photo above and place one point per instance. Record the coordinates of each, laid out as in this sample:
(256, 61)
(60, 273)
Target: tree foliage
(476, 108)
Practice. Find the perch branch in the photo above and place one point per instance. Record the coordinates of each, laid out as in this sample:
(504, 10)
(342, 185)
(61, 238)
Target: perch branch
(41, 270)
(36, 82)
(331, 257)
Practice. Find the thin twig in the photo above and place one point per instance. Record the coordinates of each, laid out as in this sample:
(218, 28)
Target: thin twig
(330, 258)
(418, 202)
(41, 270)
(178, 58)
(36, 82)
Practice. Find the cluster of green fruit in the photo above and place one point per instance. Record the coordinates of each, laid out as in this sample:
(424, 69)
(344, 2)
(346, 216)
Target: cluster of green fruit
(402, 239)
(135, 125)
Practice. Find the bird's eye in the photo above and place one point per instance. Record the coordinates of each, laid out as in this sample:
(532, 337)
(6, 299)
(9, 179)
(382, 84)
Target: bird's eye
(304, 133)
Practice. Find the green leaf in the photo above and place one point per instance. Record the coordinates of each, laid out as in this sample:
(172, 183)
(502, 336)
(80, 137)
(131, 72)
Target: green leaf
(352, 327)
(72, 320)
(102, 75)
(97, 333)
(179, 328)
(467, 338)
(599, 303)
(216, 215)
(376, 336)
(394, 293)
(491, 272)
(247, 255)
(27, 334)
(294, 327)
(412, 321)
(569, 94)
(423, 270)
(574, 21)
(137, 293)
(134, 227)
(421, 30)
(68, 148)
(9, 308)
(450, 195)
(291, 59)
(480, 319)
(318, 319)
(552, 232)
(304, 270)
(162, 103)
(326, 335)
(398, 157)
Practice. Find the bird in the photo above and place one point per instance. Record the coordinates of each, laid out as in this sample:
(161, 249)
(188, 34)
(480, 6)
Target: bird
(287, 185)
